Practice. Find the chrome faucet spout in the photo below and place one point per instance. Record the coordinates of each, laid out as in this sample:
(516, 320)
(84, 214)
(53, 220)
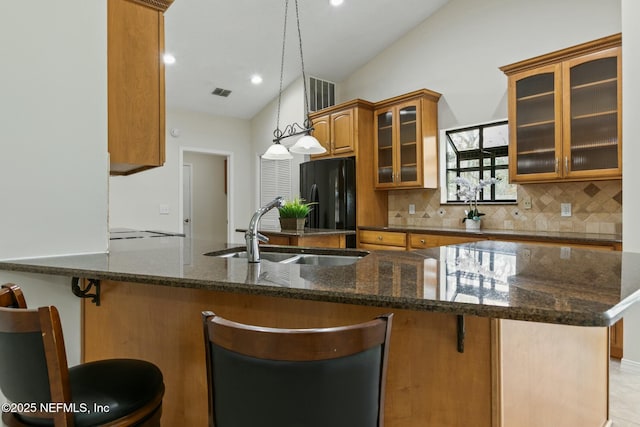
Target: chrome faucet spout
(252, 236)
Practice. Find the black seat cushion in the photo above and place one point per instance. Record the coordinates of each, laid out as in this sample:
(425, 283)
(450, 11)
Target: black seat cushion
(121, 385)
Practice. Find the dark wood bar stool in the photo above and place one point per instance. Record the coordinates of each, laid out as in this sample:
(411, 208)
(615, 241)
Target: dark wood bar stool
(268, 377)
(34, 375)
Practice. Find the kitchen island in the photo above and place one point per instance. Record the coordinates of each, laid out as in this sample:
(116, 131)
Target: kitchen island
(485, 334)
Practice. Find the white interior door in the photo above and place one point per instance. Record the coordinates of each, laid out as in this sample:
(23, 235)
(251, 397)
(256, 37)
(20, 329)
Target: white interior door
(187, 179)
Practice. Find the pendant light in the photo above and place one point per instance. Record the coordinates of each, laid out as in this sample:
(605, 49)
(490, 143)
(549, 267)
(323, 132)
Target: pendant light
(307, 144)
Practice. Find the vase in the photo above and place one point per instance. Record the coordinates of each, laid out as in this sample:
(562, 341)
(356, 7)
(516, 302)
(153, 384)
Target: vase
(296, 224)
(473, 224)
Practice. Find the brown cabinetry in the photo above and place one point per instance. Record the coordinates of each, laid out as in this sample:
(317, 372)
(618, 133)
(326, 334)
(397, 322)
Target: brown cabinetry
(565, 114)
(423, 241)
(406, 141)
(136, 102)
(384, 240)
(310, 240)
(338, 129)
(347, 130)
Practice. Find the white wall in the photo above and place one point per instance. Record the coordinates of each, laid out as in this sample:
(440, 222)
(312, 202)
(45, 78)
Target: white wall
(631, 151)
(458, 50)
(53, 150)
(208, 196)
(134, 200)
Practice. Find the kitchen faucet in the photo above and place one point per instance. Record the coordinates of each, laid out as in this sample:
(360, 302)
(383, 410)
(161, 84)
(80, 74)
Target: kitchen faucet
(252, 236)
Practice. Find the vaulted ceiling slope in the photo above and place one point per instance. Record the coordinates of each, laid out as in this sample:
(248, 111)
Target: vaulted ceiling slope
(220, 44)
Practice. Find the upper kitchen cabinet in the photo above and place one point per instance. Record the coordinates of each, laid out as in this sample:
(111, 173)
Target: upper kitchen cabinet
(565, 114)
(136, 100)
(338, 128)
(406, 141)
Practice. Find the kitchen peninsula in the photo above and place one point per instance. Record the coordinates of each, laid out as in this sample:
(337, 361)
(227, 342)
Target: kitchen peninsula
(485, 333)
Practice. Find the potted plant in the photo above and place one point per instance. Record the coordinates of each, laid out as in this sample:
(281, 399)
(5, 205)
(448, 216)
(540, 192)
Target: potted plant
(469, 193)
(293, 214)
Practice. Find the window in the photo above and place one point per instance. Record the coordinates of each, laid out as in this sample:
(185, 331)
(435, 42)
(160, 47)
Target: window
(275, 180)
(480, 152)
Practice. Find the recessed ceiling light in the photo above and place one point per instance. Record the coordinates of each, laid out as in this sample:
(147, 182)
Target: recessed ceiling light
(256, 79)
(336, 2)
(168, 58)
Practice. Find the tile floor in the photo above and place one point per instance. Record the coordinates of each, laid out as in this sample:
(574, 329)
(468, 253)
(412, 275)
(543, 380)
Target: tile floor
(624, 394)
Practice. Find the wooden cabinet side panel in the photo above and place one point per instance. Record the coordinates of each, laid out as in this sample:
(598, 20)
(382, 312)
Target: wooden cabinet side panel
(371, 205)
(428, 382)
(135, 83)
(565, 382)
(430, 145)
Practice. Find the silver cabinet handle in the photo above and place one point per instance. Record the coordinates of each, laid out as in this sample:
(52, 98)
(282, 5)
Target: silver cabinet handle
(557, 163)
(566, 164)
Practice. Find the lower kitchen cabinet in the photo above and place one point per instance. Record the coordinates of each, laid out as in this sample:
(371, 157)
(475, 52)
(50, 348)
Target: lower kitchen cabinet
(382, 240)
(423, 241)
(311, 241)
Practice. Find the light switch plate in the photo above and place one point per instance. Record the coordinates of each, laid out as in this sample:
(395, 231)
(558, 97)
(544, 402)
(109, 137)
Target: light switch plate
(412, 209)
(565, 209)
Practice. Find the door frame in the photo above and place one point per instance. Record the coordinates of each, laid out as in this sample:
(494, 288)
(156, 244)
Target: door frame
(230, 183)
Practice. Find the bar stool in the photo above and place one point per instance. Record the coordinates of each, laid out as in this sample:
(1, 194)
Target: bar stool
(34, 374)
(296, 377)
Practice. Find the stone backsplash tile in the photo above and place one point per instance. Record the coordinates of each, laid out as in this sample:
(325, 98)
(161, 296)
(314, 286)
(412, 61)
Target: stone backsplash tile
(596, 207)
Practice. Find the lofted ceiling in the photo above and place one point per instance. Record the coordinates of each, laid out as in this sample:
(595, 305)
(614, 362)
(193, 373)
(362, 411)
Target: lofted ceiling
(221, 44)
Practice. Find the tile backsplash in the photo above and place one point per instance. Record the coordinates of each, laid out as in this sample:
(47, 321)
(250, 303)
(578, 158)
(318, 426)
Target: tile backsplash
(596, 207)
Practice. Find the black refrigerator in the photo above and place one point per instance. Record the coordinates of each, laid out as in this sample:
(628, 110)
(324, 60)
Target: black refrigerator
(331, 185)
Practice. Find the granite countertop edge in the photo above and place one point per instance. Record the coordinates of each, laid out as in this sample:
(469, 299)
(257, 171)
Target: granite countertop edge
(158, 261)
(412, 304)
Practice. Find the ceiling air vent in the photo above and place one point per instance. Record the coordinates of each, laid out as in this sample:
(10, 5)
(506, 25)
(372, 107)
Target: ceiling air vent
(321, 94)
(221, 92)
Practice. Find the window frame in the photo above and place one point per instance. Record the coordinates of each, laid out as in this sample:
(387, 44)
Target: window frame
(480, 154)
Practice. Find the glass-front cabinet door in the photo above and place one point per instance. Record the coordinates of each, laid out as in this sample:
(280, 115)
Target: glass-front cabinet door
(565, 114)
(537, 113)
(398, 146)
(384, 147)
(593, 115)
(409, 144)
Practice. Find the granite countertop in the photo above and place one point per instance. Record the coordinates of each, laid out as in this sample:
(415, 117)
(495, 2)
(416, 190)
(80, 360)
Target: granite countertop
(488, 278)
(550, 236)
(305, 232)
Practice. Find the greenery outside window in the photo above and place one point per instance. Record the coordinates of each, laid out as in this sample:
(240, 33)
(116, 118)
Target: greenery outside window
(480, 152)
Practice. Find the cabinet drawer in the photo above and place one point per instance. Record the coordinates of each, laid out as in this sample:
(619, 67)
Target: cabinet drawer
(374, 247)
(421, 241)
(384, 238)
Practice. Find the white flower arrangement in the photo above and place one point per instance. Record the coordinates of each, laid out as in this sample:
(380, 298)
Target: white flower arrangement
(469, 192)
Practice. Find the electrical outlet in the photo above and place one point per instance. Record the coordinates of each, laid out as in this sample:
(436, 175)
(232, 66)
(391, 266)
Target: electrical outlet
(565, 252)
(164, 209)
(412, 209)
(526, 203)
(565, 209)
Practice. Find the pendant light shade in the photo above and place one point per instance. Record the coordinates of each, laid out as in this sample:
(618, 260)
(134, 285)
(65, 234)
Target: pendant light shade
(307, 145)
(277, 151)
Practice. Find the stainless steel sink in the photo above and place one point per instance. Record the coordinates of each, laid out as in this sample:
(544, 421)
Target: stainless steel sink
(326, 260)
(269, 256)
(294, 256)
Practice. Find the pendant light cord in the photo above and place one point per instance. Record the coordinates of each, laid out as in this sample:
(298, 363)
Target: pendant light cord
(306, 121)
(278, 133)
